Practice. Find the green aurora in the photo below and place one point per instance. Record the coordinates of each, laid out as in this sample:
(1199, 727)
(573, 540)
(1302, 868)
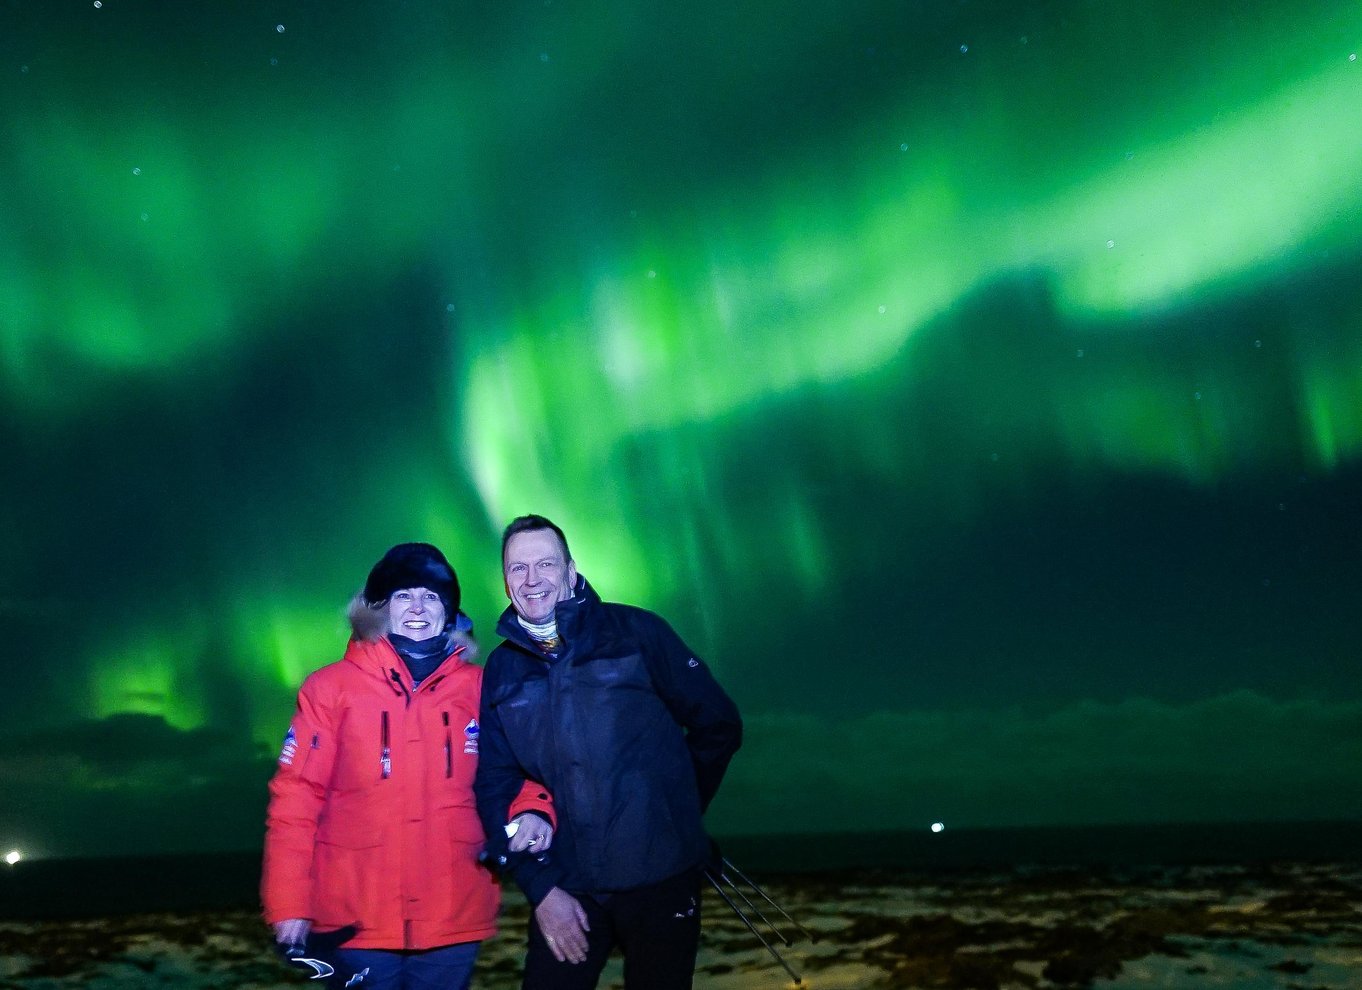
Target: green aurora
(979, 389)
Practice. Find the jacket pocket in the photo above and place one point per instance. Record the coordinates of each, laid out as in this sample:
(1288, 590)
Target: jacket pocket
(523, 712)
(350, 876)
(355, 820)
(465, 828)
(463, 892)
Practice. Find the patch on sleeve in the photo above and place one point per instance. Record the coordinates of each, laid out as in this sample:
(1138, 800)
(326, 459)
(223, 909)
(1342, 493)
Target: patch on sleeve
(470, 737)
(692, 662)
(290, 747)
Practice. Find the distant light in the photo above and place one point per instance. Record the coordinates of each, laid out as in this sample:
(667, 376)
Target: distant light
(938, 827)
(13, 857)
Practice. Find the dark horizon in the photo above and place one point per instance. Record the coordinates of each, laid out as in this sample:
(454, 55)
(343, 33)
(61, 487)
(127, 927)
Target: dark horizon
(1203, 839)
(103, 886)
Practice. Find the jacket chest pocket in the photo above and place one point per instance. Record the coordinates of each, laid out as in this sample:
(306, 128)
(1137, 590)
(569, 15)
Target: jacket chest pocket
(364, 748)
(527, 721)
(614, 708)
(604, 676)
(456, 735)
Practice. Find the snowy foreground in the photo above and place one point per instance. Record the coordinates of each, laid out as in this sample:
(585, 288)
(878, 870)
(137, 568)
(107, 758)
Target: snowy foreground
(1287, 926)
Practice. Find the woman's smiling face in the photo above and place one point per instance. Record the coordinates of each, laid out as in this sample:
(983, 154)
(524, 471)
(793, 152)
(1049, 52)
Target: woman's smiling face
(417, 613)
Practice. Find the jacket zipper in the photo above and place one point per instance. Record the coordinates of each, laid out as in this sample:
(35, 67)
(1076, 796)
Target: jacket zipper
(449, 747)
(386, 761)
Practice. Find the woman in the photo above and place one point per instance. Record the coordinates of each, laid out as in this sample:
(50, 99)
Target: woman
(371, 823)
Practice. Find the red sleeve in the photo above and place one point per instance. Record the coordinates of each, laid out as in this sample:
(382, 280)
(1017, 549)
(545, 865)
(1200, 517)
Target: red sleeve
(533, 796)
(297, 796)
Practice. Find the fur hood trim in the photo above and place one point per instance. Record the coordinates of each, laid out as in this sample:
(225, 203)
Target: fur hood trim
(367, 622)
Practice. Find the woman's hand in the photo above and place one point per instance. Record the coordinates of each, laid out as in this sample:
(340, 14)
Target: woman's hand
(292, 931)
(531, 833)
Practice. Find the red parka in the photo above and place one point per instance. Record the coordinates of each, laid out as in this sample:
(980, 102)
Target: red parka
(371, 818)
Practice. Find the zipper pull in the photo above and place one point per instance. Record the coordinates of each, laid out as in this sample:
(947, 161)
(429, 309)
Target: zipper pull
(386, 759)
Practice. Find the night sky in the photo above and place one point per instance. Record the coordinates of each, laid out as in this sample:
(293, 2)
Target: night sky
(977, 386)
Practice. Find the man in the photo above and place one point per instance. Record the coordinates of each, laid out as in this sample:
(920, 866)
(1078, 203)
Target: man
(628, 729)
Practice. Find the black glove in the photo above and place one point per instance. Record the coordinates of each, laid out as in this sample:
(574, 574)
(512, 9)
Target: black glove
(316, 956)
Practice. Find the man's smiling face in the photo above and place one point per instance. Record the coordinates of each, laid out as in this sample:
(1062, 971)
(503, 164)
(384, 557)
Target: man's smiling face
(537, 576)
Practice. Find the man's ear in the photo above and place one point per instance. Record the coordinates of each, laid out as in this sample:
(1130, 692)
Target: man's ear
(572, 575)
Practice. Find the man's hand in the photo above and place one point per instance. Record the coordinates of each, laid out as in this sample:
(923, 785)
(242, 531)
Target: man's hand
(563, 922)
(531, 832)
(292, 931)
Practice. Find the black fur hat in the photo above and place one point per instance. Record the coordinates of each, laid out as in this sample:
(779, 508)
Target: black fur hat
(413, 565)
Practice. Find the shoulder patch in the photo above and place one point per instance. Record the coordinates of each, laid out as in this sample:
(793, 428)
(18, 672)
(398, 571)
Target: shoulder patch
(290, 747)
(470, 736)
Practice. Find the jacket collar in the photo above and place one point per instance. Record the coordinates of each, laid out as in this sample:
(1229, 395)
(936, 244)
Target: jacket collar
(573, 616)
(377, 657)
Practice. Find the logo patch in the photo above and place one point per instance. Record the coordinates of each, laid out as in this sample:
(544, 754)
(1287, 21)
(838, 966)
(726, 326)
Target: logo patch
(692, 662)
(290, 747)
(470, 737)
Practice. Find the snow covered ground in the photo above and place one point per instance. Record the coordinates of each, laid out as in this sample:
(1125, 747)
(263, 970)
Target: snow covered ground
(1276, 927)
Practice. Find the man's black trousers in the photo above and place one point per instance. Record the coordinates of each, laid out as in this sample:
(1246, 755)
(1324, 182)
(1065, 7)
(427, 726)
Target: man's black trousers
(656, 927)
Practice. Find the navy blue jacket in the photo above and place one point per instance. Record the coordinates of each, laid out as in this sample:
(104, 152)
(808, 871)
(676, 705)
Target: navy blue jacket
(626, 727)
